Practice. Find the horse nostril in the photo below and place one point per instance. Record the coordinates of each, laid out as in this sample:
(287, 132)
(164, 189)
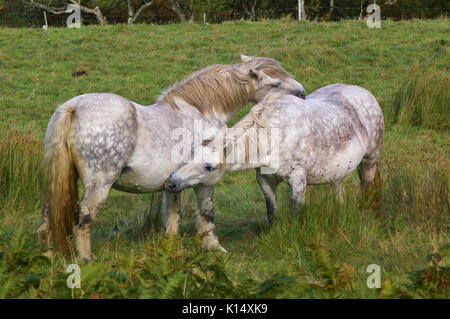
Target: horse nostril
(171, 185)
(301, 94)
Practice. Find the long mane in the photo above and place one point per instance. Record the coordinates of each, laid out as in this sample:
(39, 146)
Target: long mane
(217, 88)
(248, 138)
(220, 88)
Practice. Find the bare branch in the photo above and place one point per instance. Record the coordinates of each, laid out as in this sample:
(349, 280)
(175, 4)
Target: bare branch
(142, 8)
(48, 8)
(391, 2)
(132, 16)
(96, 11)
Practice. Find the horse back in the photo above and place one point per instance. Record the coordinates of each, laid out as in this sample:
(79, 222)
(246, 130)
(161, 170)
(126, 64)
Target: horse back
(360, 104)
(103, 133)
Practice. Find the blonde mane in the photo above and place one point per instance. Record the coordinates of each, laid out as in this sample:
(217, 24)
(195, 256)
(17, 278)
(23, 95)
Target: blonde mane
(220, 88)
(250, 125)
(253, 118)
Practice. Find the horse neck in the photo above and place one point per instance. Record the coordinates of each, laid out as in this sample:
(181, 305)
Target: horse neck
(225, 117)
(187, 111)
(217, 101)
(250, 150)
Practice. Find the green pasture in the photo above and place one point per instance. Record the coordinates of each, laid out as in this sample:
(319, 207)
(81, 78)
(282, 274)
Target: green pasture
(321, 251)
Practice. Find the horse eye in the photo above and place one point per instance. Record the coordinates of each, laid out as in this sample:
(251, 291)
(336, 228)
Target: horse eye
(209, 167)
(277, 85)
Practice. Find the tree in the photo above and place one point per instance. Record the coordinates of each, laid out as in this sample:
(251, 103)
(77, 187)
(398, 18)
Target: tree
(303, 10)
(181, 9)
(331, 9)
(63, 10)
(134, 15)
(249, 7)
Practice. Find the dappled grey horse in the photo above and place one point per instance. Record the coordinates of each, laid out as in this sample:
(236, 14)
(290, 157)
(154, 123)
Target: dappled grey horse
(321, 139)
(108, 141)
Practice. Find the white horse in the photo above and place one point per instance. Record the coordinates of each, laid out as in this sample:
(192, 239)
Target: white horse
(108, 141)
(321, 139)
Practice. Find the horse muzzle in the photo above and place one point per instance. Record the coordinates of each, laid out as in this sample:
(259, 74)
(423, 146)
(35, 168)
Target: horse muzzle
(173, 185)
(301, 94)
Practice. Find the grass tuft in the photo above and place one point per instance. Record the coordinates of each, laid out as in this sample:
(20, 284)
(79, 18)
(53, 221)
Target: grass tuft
(20, 167)
(423, 99)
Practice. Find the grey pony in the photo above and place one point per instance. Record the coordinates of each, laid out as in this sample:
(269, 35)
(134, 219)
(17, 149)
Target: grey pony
(322, 139)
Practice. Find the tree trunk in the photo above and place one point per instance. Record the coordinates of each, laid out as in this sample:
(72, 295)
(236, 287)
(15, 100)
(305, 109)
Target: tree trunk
(130, 12)
(253, 11)
(178, 11)
(362, 10)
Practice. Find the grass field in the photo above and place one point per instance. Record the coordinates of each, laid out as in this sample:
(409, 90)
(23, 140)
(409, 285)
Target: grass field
(321, 252)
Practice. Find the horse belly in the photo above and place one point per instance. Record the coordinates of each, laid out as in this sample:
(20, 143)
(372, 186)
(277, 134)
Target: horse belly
(338, 166)
(146, 175)
(150, 165)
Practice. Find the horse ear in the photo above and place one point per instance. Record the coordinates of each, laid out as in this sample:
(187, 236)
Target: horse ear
(263, 78)
(255, 74)
(245, 58)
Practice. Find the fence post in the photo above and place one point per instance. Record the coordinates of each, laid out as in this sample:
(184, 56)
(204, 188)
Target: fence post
(45, 27)
(299, 9)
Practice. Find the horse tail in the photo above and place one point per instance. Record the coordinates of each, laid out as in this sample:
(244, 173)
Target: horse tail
(60, 179)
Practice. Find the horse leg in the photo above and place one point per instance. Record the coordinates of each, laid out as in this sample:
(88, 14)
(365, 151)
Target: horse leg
(338, 191)
(366, 173)
(93, 199)
(297, 181)
(205, 217)
(43, 231)
(370, 177)
(172, 212)
(268, 185)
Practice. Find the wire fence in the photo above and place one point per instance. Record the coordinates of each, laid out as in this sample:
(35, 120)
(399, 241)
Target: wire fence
(36, 19)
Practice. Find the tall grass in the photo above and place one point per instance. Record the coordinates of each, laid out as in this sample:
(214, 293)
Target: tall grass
(321, 251)
(423, 98)
(20, 167)
(325, 238)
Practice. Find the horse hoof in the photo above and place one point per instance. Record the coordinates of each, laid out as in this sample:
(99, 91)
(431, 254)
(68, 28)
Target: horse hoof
(222, 249)
(49, 254)
(212, 244)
